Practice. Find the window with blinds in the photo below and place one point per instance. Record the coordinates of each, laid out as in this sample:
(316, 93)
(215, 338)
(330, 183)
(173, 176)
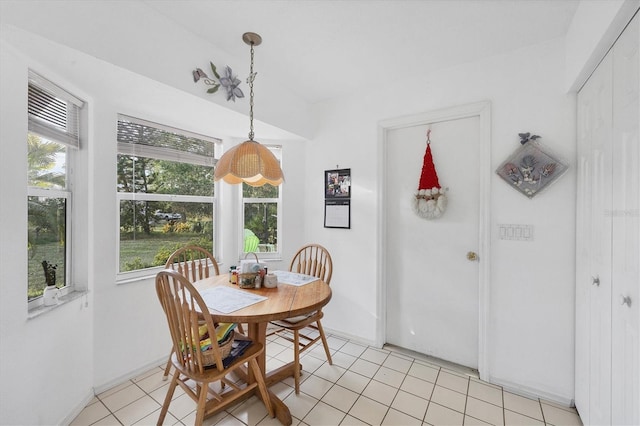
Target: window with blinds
(165, 191)
(53, 135)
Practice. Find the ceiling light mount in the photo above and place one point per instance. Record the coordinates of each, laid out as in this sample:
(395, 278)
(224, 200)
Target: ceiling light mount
(252, 39)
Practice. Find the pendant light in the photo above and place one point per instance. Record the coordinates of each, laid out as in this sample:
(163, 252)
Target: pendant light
(250, 162)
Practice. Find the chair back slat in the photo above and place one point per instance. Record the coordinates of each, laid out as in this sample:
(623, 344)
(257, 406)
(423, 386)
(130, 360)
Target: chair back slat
(183, 306)
(193, 262)
(315, 260)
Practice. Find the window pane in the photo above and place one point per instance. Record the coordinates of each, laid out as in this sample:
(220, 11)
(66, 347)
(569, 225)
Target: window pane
(46, 241)
(261, 227)
(265, 191)
(151, 230)
(147, 175)
(46, 163)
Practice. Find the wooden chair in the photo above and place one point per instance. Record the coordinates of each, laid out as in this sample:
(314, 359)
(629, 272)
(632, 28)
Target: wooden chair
(311, 259)
(194, 263)
(183, 307)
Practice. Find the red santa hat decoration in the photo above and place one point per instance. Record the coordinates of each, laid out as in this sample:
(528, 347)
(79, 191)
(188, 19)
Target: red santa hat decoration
(430, 200)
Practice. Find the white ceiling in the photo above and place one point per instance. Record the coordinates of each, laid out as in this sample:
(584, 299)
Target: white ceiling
(322, 49)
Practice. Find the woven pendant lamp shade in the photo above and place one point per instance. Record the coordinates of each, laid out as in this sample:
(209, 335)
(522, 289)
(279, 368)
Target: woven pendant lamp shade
(251, 163)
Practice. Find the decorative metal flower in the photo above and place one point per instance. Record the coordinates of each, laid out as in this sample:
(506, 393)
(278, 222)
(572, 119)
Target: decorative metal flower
(230, 82)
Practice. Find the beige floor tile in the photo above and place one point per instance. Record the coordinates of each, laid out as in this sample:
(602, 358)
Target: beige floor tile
(114, 389)
(410, 404)
(396, 418)
(424, 372)
(368, 410)
(485, 392)
(152, 381)
(91, 414)
(107, 421)
(472, 421)
(438, 415)
(484, 411)
(335, 343)
(353, 349)
(352, 421)
(560, 416)
(448, 398)
(398, 363)
(251, 412)
(391, 377)
(329, 372)
(152, 420)
(353, 381)
(374, 355)
(453, 381)
(364, 367)
(137, 410)
(300, 405)
(323, 414)
(122, 397)
(520, 404)
(310, 363)
(516, 419)
(418, 387)
(343, 360)
(182, 406)
(316, 386)
(380, 392)
(340, 398)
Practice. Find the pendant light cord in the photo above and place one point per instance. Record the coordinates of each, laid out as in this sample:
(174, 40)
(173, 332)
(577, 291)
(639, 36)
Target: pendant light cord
(250, 79)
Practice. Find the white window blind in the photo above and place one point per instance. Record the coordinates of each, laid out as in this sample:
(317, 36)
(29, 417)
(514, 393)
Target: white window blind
(54, 113)
(153, 140)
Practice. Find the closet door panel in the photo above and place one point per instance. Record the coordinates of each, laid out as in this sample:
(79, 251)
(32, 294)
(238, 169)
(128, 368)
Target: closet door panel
(625, 214)
(593, 255)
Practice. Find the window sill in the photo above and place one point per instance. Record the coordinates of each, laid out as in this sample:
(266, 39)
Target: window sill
(63, 300)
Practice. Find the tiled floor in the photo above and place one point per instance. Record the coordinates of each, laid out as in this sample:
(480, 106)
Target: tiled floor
(364, 386)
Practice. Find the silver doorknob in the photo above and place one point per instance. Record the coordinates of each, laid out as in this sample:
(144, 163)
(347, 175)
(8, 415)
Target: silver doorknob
(625, 300)
(595, 281)
(472, 256)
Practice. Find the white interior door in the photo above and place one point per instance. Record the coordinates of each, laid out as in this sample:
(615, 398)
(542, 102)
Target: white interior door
(431, 286)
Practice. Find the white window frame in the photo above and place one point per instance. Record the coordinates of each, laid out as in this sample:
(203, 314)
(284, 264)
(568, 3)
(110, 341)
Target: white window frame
(69, 136)
(171, 155)
(277, 151)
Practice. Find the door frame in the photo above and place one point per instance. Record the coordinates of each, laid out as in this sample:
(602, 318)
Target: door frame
(483, 111)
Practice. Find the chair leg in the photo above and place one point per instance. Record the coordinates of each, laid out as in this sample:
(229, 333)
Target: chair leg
(324, 343)
(262, 386)
(296, 360)
(202, 403)
(167, 369)
(167, 398)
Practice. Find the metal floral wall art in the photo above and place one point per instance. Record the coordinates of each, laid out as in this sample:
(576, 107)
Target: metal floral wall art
(227, 81)
(532, 167)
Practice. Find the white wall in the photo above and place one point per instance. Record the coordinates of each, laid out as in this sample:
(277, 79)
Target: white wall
(58, 359)
(530, 331)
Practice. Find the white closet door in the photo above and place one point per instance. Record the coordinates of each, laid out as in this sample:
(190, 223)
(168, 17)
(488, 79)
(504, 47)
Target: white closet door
(593, 289)
(625, 397)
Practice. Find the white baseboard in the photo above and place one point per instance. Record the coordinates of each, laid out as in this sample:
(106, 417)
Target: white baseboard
(128, 376)
(532, 393)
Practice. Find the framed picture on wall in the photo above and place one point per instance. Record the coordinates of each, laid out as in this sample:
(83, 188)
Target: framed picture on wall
(531, 168)
(337, 183)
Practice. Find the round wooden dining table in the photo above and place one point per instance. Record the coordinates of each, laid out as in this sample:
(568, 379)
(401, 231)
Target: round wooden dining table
(282, 302)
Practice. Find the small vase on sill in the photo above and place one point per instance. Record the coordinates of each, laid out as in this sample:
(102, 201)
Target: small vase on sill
(50, 295)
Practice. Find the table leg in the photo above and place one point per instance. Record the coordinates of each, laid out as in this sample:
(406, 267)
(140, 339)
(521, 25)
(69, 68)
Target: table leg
(258, 333)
